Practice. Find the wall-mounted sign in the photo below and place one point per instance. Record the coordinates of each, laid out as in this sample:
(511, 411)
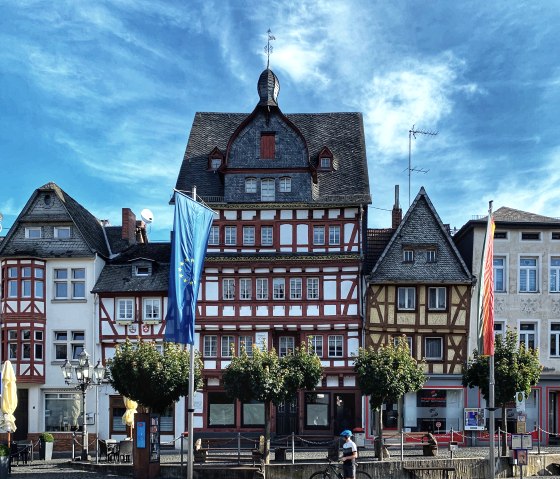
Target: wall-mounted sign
(474, 419)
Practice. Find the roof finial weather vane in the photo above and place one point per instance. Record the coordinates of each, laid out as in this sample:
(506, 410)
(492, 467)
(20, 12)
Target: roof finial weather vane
(268, 49)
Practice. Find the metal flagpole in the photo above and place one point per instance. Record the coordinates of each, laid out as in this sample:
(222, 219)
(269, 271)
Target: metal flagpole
(491, 407)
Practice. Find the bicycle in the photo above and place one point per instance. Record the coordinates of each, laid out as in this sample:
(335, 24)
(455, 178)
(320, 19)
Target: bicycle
(334, 471)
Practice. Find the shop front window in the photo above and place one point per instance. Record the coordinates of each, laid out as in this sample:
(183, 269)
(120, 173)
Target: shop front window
(62, 411)
(253, 414)
(317, 407)
(221, 410)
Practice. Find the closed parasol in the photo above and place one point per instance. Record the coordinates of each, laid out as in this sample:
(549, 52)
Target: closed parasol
(9, 398)
(128, 416)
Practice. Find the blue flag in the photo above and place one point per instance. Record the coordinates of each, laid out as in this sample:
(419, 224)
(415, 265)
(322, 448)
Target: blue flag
(191, 228)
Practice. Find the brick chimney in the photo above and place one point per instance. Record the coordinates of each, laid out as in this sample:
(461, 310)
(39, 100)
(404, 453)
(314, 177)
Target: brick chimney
(128, 226)
(396, 214)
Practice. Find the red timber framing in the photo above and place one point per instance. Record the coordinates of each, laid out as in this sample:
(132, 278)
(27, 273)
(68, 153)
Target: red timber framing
(23, 317)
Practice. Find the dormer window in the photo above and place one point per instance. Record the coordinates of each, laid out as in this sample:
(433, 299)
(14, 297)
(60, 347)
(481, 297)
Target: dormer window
(215, 159)
(408, 256)
(268, 143)
(325, 159)
(62, 232)
(33, 232)
(141, 270)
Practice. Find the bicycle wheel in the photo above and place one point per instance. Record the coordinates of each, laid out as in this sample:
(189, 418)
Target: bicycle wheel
(321, 475)
(362, 475)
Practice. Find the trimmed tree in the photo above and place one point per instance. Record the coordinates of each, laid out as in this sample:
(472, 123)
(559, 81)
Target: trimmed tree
(516, 369)
(387, 373)
(269, 379)
(152, 378)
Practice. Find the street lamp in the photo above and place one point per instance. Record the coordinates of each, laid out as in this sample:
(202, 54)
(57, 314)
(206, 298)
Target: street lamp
(85, 377)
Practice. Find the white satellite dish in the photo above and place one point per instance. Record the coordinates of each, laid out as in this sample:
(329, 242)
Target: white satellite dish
(147, 215)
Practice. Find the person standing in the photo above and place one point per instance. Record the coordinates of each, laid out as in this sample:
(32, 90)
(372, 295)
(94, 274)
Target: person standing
(349, 455)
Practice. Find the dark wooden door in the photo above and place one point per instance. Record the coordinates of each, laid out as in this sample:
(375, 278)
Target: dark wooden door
(21, 414)
(287, 418)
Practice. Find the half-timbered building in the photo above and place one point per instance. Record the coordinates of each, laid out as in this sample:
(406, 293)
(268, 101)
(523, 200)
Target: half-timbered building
(420, 287)
(284, 256)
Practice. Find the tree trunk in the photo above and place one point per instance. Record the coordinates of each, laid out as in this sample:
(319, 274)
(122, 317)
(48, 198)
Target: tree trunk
(266, 452)
(505, 428)
(379, 427)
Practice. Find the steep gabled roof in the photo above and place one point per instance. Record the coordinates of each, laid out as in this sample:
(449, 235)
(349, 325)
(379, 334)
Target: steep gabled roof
(421, 229)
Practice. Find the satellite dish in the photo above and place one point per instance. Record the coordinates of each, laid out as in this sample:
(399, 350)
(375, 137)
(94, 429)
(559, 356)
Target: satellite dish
(147, 215)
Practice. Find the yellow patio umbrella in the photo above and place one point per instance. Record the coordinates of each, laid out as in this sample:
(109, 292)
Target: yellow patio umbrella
(128, 416)
(9, 398)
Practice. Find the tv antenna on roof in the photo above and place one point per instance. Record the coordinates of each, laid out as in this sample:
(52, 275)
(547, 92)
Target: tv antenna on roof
(412, 133)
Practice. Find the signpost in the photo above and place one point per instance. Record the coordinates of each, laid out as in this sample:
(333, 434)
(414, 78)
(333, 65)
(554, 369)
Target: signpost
(521, 444)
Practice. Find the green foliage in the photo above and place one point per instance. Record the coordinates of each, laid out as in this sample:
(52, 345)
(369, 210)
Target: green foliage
(303, 370)
(388, 372)
(46, 437)
(516, 369)
(152, 378)
(4, 450)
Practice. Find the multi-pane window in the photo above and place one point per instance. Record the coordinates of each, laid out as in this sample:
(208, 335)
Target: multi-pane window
(33, 232)
(408, 256)
(499, 274)
(406, 297)
(228, 346)
(38, 347)
(250, 185)
(230, 235)
(266, 235)
(68, 344)
(296, 288)
(325, 162)
(431, 256)
(29, 279)
(248, 235)
(279, 288)
(268, 192)
(528, 335)
(12, 282)
(26, 282)
(25, 344)
(434, 348)
(125, 309)
(210, 347)
(316, 345)
(214, 236)
(499, 328)
(246, 344)
(312, 288)
(528, 275)
(437, 297)
(286, 345)
(12, 344)
(228, 288)
(215, 163)
(245, 288)
(555, 339)
(555, 274)
(318, 235)
(285, 184)
(334, 235)
(335, 346)
(152, 310)
(39, 283)
(262, 288)
(62, 411)
(62, 232)
(70, 284)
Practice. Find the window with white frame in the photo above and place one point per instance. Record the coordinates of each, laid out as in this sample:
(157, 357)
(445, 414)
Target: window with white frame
(296, 288)
(285, 184)
(245, 288)
(228, 288)
(33, 232)
(12, 282)
(38, 345)
(248, 235)
(25, 344)
(279, 288)
(39, 283)
(262, 288)
(325, 162)
(431, 256)
(266, 235)
(312, 288)
(335, 346)
(246, 344)
(434, 348)
(406, 297)
(268, 189)
(286, 345)
(152, 309)
(528, 274)
(554, 274)
(554, 339)
(62, 411)
(125, 309)
(230, 235)
(437, 298)
(68, 344)
(69, 284)
(210, 348)
(62, 232)
(318, 235)
(499, 274)
(316, 345)
(214, 236)
(141, 270)
(528, 335)
(250, 185)
(334, 235)
(26, 282)
(215, 163)
(408, 256)
(499, 328)
(228, 346)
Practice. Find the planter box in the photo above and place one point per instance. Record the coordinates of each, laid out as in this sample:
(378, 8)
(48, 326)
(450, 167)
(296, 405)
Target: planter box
(45, 450)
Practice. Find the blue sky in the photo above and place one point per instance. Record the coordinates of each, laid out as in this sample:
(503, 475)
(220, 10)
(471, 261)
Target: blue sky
(99, 96)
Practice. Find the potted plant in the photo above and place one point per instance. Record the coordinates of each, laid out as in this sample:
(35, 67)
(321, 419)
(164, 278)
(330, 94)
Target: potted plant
(46, 441)
(4, 461)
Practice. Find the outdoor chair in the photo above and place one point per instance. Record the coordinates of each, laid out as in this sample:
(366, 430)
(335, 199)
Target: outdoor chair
(125, 451)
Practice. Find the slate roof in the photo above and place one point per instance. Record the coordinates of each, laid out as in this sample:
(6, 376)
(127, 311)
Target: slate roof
(115, 239)
(342, 133)
(89, 226)
(117, 275)
(421, 229)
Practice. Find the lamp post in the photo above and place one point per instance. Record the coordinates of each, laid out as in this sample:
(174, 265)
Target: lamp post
(85, 377)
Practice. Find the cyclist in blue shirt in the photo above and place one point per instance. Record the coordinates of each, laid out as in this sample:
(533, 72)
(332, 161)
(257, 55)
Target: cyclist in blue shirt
(349, 455)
